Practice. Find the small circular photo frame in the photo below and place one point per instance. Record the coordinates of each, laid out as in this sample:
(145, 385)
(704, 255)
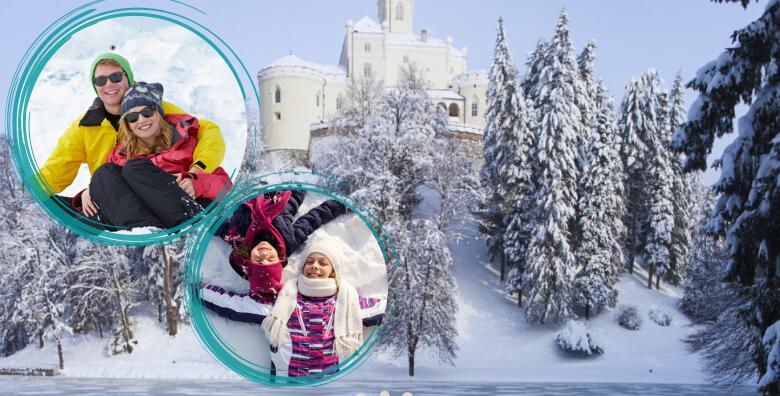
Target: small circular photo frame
(241, 299)
(62, 123)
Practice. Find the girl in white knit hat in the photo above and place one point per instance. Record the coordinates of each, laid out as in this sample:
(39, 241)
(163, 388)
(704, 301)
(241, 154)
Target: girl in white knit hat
(316, 320)
(318, 314)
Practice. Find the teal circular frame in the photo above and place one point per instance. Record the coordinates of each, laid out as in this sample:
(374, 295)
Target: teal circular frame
(201, 323)
(24, 79)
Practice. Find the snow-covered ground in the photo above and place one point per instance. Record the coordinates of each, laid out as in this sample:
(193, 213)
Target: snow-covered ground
(496, 343)
(193, 74)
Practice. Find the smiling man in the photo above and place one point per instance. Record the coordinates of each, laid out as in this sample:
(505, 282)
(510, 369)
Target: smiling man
(91, 137)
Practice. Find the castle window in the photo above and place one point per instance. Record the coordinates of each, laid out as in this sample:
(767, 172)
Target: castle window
(406, 58)
(399, 12)
(278, 95)
(339, 103)
(474, 109)
(454, 110)
(442, 105)
(367, 47)
(367, 71)
(318, 99)
(277, 116)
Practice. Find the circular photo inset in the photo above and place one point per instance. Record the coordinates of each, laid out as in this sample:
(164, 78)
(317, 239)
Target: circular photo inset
(136, 125)
(293, 286)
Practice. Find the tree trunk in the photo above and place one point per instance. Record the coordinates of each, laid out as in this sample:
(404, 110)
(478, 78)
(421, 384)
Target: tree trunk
(587, 311)
(60, 353)
(503, 267)
(170, 310)
(657, 282)
(519, 299)
(635, 226)
(127, 334)
(650, 271)
(633, 248)
(40, 339)
(412, 347)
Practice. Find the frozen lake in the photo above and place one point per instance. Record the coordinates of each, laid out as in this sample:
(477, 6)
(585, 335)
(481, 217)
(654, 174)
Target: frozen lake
(12, 385)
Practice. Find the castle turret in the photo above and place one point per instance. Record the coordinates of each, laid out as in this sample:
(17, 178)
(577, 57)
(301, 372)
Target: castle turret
(294, 94)
(472, 87)
(399, 14)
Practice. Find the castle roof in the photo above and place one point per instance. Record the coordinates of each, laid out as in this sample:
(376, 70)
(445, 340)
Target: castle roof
(292, 64)
(367, 25)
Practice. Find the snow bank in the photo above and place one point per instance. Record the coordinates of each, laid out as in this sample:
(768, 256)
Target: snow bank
(576, 338)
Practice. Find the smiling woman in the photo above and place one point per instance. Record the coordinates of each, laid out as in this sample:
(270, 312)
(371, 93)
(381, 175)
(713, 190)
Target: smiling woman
(150, 177)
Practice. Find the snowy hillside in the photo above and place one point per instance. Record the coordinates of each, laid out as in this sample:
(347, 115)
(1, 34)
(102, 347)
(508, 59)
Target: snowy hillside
(495, 340)
(194, 76)
(497, 343)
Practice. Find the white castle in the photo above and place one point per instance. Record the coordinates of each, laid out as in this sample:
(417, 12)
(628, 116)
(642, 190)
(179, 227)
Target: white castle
(299, 97)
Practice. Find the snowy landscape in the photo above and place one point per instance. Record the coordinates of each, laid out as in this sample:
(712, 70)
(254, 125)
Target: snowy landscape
(579, 252)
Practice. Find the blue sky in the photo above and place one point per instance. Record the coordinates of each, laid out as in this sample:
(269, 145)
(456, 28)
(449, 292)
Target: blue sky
(668, 35)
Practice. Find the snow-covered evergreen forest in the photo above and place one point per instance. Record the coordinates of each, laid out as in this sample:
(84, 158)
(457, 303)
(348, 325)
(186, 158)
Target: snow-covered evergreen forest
(579, 191)
(577, 188)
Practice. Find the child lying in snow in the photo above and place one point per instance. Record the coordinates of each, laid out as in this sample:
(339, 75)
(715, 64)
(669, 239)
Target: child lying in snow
(318, 314)
(263, 233)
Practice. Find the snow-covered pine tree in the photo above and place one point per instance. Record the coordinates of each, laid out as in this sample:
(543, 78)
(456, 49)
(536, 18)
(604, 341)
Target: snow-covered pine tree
(747, 210)
(533, 68)
(599, 253)
(660, 214)
(705, 267)
(587, 98)
(729, 343)
(422, 293)
(503, 147)
(681, 188)
(549, 259)
(519, 229)
(586, 61)
(510, 180)
(639, 125)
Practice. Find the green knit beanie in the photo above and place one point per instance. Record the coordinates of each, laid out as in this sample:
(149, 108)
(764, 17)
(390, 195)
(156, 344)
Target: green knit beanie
(123, 63)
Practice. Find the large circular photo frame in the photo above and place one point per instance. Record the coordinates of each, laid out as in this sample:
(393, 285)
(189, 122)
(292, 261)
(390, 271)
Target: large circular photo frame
(201, 319)
(45, 47)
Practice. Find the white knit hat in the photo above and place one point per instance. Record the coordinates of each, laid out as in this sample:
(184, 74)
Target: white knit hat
(328, 247)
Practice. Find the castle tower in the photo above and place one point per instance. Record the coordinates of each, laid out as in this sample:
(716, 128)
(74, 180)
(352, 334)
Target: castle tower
(399, 15)
(473, 87)
(294, 94)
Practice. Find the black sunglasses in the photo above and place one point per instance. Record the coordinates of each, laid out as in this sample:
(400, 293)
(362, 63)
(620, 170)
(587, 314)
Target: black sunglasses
(102, 80)
(133, 116)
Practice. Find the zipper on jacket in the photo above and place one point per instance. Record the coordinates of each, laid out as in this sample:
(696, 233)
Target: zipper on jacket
(300, 320)
(330, 322)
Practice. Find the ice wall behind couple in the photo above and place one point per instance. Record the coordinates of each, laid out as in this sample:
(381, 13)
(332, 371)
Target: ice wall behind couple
(195, 78)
